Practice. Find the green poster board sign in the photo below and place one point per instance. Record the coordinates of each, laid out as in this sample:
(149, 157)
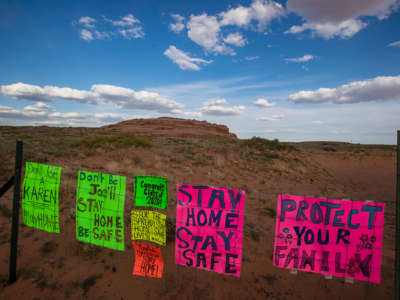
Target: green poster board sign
(40, 196)
(100, 209)
(151, 191)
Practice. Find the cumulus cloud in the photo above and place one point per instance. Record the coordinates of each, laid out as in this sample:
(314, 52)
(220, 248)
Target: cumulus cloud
(126, 21)
(86, 35)
(39, 106)
(340, 18)
(263, 103)
(272, 118)
(43, 114)
(260, 11)
(394, 44)
(235, 39)
(377, 89)
(127, 27)
(183, 60)
(302, 59)
(216, 107)
(98, 94)
(206, 30)
(179, 24)
(87, 22)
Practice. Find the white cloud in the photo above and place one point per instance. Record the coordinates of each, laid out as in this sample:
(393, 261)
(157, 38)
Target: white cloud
(250, 58)
(377, 89)
(394, 44)
(263, 103)
(261, 11)
(341, 18)
(99, 93)
(318, 122)
(87, 22)
(204, 30)
(86, 35)
(272, 118)
(127, 27)
(179, 24)
(215, 102)
(235, 39)
(101, 35)
(192, 114)
(48, 116)
(39, 106)
(304, 58)
(132, 33)
(215, 107)
(183, 60)
(328, 30)
(127, 21)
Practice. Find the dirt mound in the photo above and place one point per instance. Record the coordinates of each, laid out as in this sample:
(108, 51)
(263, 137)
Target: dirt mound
(170, 127)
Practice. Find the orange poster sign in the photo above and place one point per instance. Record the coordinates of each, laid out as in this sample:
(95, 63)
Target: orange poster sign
(148, 260)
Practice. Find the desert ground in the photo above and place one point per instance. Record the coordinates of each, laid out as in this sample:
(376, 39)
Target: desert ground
(57, 266)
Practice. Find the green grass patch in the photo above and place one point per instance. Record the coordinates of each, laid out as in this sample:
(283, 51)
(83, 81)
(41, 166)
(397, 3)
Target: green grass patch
(113, 142)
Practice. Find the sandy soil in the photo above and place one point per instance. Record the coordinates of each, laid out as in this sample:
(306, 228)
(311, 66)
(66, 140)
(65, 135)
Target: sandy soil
(57, 266)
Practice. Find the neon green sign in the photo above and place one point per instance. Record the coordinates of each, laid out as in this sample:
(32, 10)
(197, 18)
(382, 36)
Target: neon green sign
(100, 209)
(151, 191)
(40, 196)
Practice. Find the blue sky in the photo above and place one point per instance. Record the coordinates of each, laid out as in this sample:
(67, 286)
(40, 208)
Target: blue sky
(297, 70)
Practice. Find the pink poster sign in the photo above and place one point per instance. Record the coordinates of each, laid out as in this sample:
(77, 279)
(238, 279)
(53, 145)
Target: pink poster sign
(209, 228)
(333, 237)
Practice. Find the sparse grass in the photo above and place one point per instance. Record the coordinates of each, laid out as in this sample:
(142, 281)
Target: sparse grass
(48, 247)
(89, 282)
(268, 211)
(170, 225)
(5, 211)
(252, 232)
(269, 278)
(113, 142)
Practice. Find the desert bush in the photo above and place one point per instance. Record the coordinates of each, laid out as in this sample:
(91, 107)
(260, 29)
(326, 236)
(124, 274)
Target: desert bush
(261, 144)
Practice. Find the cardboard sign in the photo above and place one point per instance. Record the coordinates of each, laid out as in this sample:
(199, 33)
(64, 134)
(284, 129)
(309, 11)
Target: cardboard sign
(148, 225)
(100, 209)
(40, 196)
(209, 228)
(148, 260)
(335, 237)
(151, 191)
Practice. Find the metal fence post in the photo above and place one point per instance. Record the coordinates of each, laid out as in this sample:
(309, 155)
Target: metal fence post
(15, 213)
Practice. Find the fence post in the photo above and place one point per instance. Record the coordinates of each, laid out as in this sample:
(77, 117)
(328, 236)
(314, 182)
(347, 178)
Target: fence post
(15, 214)
(397, 249)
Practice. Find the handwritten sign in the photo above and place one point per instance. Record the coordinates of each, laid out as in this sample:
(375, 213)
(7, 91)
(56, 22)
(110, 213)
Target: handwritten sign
(100, 209)
(335, 237)
(148, 225)
(151, 191)
(209, 228)
(40, 196)
(148, 260)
